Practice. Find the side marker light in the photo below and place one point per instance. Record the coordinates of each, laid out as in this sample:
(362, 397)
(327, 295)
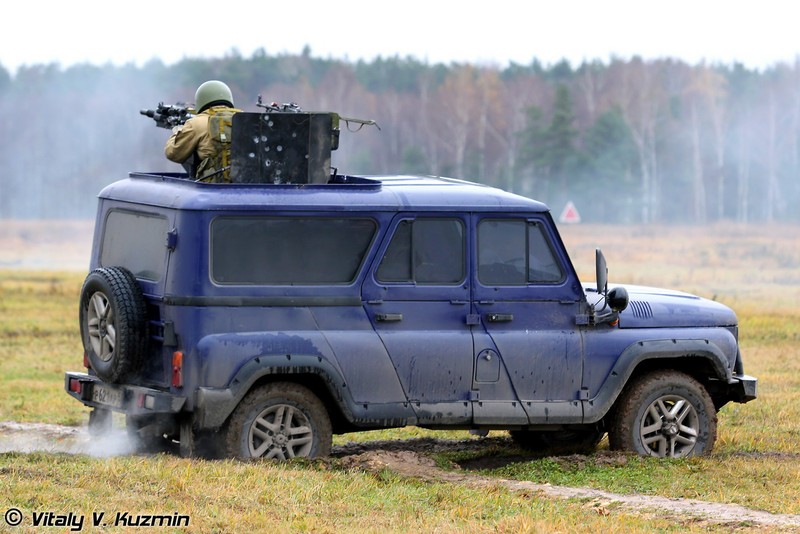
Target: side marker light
(177, 369)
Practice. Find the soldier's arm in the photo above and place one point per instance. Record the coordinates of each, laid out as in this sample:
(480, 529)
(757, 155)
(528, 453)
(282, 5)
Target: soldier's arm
(182, 143)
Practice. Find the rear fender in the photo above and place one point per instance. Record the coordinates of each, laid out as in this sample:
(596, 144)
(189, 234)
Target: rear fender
(214, 405)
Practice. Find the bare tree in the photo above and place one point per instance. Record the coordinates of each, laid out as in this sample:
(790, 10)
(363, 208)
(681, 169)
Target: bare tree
(457, 98)
(519, 94)
(640, 100)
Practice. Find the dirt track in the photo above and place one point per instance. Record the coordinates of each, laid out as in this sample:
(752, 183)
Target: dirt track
(414, 465)
(411, 458)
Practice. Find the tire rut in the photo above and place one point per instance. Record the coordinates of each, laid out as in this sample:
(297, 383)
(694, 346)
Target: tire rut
(411, 459)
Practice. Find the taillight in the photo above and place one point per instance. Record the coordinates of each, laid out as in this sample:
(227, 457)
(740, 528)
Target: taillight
(146, 401)
(86, 359)
(75, 385)
(177, 369)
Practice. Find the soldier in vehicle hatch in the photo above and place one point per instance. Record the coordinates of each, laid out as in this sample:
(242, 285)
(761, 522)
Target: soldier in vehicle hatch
(207, 135)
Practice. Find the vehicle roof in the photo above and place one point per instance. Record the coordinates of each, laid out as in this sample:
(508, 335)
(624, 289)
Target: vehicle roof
(349, 193)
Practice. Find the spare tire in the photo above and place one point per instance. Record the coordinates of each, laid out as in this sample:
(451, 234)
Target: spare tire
(113, 319)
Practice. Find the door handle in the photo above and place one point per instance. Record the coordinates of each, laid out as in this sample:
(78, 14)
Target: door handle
(499, 317)
(388, 317)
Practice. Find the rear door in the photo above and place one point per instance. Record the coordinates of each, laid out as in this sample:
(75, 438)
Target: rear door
(418, 299)
(142, 240)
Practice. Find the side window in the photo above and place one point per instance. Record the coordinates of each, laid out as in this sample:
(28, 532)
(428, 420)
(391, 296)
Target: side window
(136, 241)
(515, 252)
(288, 250)
(425, 251)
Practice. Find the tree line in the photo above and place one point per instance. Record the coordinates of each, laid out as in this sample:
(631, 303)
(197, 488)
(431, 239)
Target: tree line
(627, 141)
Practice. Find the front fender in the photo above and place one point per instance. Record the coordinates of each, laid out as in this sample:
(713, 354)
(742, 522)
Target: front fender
(598, 406)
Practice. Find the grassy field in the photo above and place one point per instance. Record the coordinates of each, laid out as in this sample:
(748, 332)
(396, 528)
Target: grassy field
(755, 462)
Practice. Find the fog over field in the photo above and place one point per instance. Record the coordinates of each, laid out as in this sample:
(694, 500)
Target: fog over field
(628, 141)
(53, 245)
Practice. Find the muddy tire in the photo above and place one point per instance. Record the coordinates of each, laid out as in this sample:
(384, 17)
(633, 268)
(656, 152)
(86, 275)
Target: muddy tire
(280, 420)
(664, 414)
(113, 320)
(558, 441)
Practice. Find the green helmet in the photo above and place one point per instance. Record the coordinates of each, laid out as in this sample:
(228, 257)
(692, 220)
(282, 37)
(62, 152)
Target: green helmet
(212, 92)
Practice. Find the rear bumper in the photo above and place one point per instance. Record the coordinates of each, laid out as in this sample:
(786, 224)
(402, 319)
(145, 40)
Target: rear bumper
(128, 399)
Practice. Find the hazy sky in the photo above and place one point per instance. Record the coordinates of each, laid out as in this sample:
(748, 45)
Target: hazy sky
(755, 33)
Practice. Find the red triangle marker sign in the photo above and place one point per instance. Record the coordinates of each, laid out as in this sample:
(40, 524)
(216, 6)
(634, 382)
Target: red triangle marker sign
(570, 214)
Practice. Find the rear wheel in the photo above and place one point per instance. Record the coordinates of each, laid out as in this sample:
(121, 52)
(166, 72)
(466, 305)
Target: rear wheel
(149, 434)
(665, 414)
(100, 422)
(280, 420)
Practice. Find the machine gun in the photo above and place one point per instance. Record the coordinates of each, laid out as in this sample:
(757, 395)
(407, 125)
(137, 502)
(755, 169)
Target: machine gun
(169, 116)
(290, 107)
(293, 107)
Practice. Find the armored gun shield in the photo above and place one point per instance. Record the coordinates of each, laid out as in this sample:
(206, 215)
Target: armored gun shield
(282, 148)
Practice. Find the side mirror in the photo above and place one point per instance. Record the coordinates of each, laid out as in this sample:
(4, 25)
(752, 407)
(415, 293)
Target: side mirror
(601, 271)
(614, 301)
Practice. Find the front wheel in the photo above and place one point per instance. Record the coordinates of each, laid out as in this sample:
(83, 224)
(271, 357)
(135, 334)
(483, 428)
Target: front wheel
(664, 414)
(280, 420)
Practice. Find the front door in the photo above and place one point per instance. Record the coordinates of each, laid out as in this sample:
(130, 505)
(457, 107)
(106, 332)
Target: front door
(527, 299)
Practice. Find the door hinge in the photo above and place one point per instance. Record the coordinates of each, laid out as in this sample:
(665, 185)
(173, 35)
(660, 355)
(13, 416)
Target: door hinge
(172, 239)
(582, 320)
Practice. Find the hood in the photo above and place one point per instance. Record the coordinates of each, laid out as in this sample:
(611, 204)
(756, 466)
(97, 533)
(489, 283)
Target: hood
(652, 307)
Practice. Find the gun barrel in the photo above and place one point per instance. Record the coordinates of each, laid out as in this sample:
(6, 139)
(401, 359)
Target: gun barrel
(168, 116)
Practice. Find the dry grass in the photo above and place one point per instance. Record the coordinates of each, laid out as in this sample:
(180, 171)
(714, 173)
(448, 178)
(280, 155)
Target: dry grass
(233, 496)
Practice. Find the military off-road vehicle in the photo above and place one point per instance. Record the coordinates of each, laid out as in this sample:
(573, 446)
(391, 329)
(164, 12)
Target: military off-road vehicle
(260, 317)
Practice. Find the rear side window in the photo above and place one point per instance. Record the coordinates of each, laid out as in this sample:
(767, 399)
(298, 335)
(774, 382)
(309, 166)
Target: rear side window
(515, 252)
(425, 251)
(288, 250)
(136, 241)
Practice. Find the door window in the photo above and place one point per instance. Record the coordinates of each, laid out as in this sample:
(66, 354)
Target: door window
(425, 251)
(513, 252)
(136, 241)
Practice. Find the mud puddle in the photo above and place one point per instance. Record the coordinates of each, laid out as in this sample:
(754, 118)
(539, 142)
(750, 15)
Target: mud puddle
(43, 437)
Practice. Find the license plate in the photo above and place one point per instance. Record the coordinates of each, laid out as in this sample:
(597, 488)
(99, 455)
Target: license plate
(106, 396)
